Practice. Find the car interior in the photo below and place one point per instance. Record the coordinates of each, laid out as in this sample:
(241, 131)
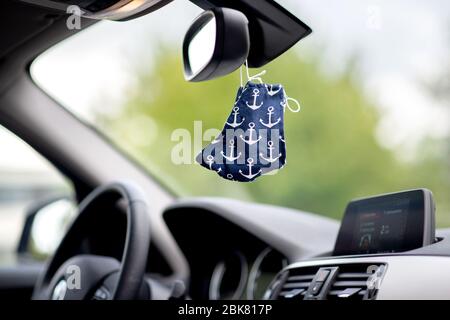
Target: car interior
(133, 238)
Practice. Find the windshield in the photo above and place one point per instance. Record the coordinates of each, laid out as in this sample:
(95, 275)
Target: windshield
(372, 78)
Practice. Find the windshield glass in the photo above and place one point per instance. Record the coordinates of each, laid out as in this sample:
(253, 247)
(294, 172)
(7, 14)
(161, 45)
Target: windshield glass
(373, 79)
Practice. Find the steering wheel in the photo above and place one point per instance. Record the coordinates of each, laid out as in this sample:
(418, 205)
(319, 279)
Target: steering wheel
(69, 276)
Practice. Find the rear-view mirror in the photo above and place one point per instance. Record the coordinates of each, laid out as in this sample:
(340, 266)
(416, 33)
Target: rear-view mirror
(216, 44)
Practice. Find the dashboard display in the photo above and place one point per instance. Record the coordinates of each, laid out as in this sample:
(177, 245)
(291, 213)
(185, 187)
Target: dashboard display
(387, 223)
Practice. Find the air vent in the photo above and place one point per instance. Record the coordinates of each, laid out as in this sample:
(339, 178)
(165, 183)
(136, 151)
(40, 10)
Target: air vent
(297, 283)
(352, 282)
(333, 282)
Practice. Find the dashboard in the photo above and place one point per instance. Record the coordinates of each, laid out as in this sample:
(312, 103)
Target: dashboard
(238, 250)
(235, 249)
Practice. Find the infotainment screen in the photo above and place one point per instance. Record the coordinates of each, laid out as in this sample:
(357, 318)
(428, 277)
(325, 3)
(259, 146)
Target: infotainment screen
(387, 223)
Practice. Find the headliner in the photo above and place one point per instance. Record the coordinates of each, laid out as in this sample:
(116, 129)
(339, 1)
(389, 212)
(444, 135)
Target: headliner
(26, 31)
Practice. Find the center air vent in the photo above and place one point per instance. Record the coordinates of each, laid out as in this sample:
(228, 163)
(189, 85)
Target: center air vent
(356, 281)
(297, 283)
(334, 282)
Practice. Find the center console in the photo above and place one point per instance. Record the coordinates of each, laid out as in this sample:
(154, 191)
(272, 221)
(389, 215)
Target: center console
(382, 241)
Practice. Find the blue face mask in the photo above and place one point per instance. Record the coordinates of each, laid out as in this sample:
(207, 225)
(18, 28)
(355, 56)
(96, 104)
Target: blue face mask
(252, 142)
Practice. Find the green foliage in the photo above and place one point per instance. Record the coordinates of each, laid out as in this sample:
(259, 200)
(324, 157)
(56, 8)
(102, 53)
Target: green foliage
(333, 155)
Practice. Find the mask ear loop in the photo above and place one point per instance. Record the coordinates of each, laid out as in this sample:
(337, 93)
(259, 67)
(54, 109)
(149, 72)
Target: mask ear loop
(299, 107)
(258, 78)
(241, 76)
(285, 104)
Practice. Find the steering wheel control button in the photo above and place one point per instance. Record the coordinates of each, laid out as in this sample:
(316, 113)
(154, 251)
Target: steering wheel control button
(321, 283)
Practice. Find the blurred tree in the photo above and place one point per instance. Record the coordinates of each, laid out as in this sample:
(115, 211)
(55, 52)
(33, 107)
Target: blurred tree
(332, 153)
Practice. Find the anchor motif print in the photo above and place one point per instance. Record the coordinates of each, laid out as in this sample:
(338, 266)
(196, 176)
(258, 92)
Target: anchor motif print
(210, 161)
(231, 157)
(270, 159)
(251, 131)
(271, 92)
(235, 115)
(251, 143)
(250, 175)
(270, 124)
(255, 96)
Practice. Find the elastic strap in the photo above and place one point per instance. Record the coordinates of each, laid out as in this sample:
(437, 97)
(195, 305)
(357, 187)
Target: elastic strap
(241, 75)
(256, 77)
(299, 107)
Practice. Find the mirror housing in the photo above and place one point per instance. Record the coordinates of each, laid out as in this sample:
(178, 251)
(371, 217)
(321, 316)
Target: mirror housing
(230, 48)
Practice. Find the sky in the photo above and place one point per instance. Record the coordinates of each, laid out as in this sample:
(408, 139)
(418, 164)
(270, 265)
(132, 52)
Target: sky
(400, 45)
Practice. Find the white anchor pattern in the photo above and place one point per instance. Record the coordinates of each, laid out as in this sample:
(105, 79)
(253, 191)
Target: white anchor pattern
(231, 157)
(270, 124)
(256, 94)
(252, 142)
(235, 123)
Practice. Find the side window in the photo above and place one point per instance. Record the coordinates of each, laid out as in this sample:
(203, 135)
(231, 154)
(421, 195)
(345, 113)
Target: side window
(27, 179)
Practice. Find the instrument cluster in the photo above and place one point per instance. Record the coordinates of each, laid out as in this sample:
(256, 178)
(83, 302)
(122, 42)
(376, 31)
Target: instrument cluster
(237, 278)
